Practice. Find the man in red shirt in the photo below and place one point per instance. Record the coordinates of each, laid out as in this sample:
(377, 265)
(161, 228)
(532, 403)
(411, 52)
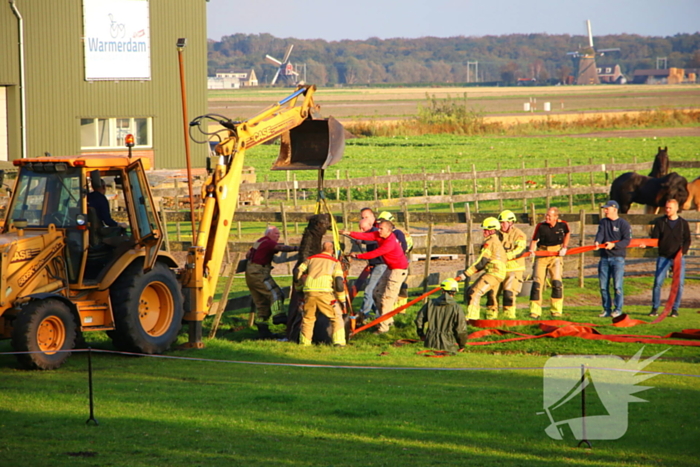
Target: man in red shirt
(258, 272)
(389, 286)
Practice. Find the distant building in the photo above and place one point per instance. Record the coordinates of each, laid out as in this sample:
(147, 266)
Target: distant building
(666, 76)
(611, 74)
(77, 76)
(233, 80)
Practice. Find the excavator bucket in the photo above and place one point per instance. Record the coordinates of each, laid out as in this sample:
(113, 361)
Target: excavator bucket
(313, 145)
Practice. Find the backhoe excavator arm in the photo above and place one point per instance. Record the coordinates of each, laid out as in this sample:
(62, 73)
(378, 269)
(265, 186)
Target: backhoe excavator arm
(220, 192)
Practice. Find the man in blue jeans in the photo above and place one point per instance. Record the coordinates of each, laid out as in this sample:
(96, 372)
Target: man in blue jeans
(612, 228)
(376, 264)
(673, 233)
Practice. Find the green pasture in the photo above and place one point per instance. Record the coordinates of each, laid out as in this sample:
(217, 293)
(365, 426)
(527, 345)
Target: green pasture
(436, 153)
(479, 407)
(365, 157)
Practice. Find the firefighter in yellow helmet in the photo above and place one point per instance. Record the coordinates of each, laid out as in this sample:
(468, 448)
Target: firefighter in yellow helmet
(514, 243)
(323, 291)
(492, 260)
(447, 328)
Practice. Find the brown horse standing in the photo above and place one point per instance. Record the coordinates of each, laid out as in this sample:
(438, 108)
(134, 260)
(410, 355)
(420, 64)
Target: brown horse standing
(693, 198)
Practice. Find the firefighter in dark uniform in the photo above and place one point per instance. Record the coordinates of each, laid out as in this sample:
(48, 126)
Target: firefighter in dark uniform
(447, 327)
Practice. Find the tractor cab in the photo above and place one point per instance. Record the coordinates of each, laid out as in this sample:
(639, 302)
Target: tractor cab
(75, 196)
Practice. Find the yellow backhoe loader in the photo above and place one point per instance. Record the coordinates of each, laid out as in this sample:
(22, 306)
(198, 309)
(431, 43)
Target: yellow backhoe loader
(63, 272)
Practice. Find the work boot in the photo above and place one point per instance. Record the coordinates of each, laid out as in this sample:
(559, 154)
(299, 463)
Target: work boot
(674, 313)
(653, 312)
(264, 331)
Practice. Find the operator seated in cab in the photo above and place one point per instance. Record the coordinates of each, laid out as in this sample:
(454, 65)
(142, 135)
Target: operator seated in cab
(98, 201)
(103, 229)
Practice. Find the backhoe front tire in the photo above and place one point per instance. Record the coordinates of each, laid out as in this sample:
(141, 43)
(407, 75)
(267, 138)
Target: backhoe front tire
(46, 326)
(147, 309)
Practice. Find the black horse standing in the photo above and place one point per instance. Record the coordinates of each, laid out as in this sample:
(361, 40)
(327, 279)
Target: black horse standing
(632, 187)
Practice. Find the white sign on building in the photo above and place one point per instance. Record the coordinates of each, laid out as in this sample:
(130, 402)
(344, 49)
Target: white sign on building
(117, 40)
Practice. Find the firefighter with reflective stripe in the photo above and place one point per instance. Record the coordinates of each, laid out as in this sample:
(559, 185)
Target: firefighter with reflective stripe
(324, 291)
(551, 235)
(514, 243)
(447, 328)
(492, 260)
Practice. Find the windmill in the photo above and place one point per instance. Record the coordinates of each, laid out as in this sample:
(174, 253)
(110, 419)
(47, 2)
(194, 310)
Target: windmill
(584, 60)
(285, 69)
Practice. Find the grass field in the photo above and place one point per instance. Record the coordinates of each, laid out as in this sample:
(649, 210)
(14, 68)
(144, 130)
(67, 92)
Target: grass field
(241, 401)
(399, 408)
(434, 153)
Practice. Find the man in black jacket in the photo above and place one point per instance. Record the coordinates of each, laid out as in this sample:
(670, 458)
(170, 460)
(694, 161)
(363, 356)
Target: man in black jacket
(673, 233)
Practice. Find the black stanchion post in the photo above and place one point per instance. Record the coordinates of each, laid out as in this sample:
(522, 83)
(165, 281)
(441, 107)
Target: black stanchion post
(583, 408)
(92, 405)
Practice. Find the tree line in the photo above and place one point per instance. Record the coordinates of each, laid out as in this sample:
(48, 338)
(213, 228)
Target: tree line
(503, 59)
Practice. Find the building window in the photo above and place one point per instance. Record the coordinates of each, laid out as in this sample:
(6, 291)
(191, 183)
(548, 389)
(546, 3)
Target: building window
(110, 133)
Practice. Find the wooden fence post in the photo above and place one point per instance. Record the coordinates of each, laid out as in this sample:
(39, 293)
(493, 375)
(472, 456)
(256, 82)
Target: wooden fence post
(590, 161)
(571, 197)
(533, 215)
(345, 216)
(176, 207)
(284, 232)
(449, 185)
(348, 196)
(442, 184)
(288, 193)
(294, 190)
(612, 172)
(475, 187)
(388, 185)
(522, 178)
(429, 250)
(374, 175)
(164, 220)
(469, 250)
(337, 189)
(400, 183)
(406, 215)
(296, 205)
(267, 195)
(582, 234)
(497, 187)
(548, 183)
(240, 233)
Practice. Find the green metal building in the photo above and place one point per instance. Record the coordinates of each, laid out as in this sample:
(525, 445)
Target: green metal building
(76, 76)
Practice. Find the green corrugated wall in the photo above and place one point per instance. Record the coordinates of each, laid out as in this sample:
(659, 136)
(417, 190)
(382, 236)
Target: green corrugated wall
(58, 95)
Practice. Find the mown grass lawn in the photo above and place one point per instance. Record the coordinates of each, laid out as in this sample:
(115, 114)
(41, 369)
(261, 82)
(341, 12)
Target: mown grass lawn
(477, 408)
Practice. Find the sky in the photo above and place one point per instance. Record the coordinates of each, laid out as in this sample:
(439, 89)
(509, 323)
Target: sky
(334, 20)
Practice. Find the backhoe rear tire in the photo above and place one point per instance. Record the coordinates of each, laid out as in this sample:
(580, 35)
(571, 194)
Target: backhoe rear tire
(46, 326)
(147, 309)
